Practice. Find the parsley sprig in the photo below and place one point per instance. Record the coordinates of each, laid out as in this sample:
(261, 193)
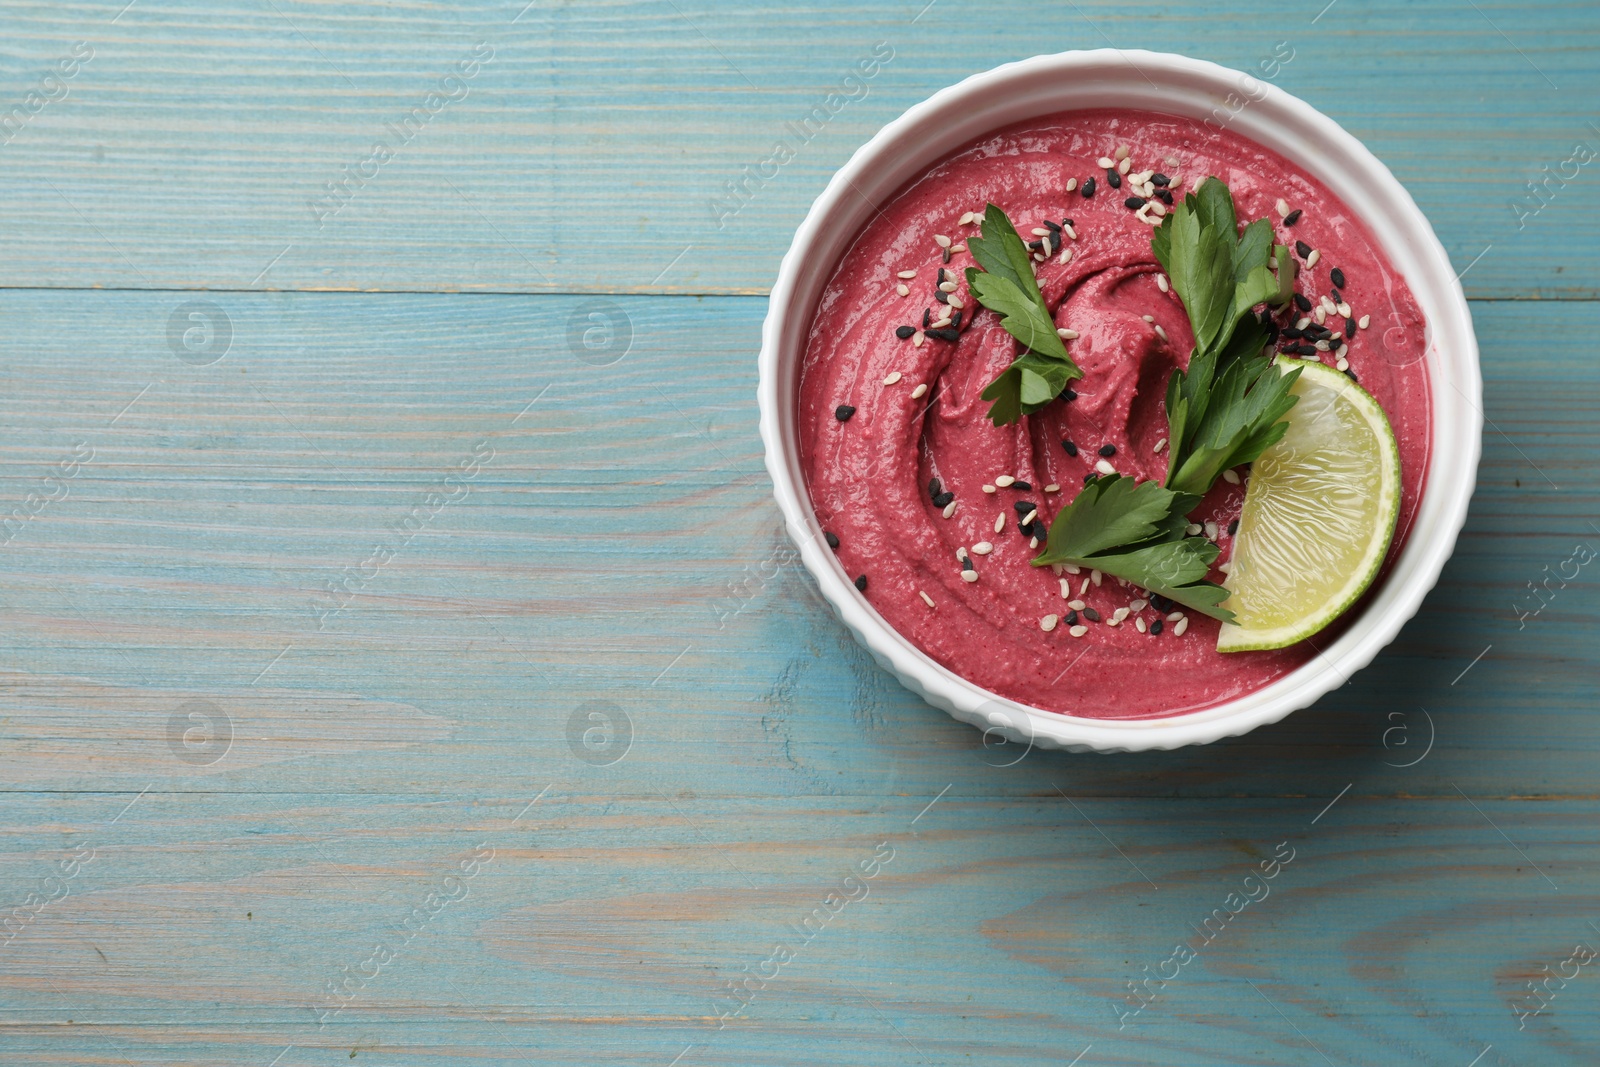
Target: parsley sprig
(1006, 285)
(1223, 411)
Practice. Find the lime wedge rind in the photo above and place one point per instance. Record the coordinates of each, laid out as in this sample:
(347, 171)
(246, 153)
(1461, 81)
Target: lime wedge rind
(1319, 514)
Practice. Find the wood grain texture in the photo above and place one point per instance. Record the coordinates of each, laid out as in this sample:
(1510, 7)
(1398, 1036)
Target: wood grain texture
(310, 597)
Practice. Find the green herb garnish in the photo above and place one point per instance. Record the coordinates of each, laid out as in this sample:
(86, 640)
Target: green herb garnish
(1134, 530)
(1006, 285)
(1225, 409)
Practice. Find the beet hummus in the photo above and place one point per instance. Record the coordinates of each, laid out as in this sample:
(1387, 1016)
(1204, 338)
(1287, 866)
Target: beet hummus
(921, 495)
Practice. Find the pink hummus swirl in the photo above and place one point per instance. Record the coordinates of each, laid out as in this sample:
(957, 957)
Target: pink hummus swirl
(868, 476)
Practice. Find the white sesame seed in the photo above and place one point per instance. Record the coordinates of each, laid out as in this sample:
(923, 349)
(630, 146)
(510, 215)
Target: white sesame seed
(1072, 183)
(1343, 308)
(1105, 162)
(1138, 605)
(1104, 467)
(892, 377)
(988, 489)
(907, 274)
(1160, 445)
(1066, 254)
(1174, 616)
(982, 548)
(1311, 260)
(1162, 283)
(1066, 334)
(1040, 231)
(920, 391)
(1033, 542)
(1231, 476)
(1322, 346)
(903, 289)
(1083, 587)
(1140, 624)
(1341, 364)
(1048, 623)
(1192, 529)
(1283, 207)
(1141, 177)
(1321, 315)
(961, 553)
(1183, 624)
(959, 246)
(1212, 529)
(1045, 246)
(1000, 522)
(1030, 516)
(947, 287)
(1122, 152)
(1076, 605)
(1156, 208)
(950, 508)
(1143, 214)
(1172, 161)
(969, 576)
(917, 339)
(926, 599)
(1225, 567)
(1066, 588)
(1070, 231)
(942, 321)
(1364, 321)
(1052, 488)
(1301, 324)
(1039, 257)
(1160, 332)
(957, 303)
(941, 240)
(1078, 631)
(1004, 480)
(1055, 569)
(1125, 166)
(965, 218)
(1148, 318)
(1095, 576)
(1118, 615)
(1113, 621)
(1342, 351)
(1072, 568)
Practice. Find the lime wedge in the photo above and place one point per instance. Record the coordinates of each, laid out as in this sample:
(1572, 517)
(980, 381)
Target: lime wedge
(1319, 513)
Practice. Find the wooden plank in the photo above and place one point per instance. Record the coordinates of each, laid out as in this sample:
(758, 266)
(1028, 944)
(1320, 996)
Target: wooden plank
(192, 150)
(208, 929)
(620, 545)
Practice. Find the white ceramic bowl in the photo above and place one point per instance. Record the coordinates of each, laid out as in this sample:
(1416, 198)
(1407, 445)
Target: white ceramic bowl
(952, 118)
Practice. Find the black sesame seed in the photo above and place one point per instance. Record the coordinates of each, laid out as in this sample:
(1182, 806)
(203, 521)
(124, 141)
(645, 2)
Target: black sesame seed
(1160, 603)
(843, 412)
(944, 499)
(1023, 486)
(935, 487)
(1349, 331)
(904, 332)
(1352, 375)
(1134, 202)
(947, 255)
(1068, 222)
(1165, 196)
(1053, 227)
(927, 317)
(861, 582)
(1303, 249)
(1338, 279)
(1091, 476)
(1291, 332)
(1088, 188)
(1071, 449)
(966, 564)
(1025, 529)
(832, 538)
(1108, 450)
(1036, 245)
(942, 273)
(948, 333)
(1069, 393)
(1336, 296)
(1113, 179)
(1272, 332)
(1306, 350)
(1072, 618)
(941, 296)
(1292, 217)
(1025, 506)
(1233, 527)
(1160, 180)
(1302, 302)
(1091, 614)
(956, 321)
(1156, 627)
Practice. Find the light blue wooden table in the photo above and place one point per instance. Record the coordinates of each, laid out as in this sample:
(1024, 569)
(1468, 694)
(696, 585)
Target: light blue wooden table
(399, 664)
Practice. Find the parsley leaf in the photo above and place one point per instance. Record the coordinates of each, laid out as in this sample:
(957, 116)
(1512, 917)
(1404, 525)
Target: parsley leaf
(1006, 285)
(1223, 410)
(1135, 530)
